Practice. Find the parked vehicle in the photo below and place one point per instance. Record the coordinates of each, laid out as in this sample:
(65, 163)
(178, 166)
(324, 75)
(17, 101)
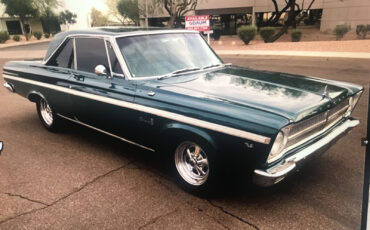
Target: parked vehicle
(168, 92)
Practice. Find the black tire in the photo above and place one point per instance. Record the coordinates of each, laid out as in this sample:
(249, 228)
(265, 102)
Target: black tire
(48, 116)
(202, 188)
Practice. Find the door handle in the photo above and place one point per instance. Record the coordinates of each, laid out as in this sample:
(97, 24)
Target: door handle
(78, 77)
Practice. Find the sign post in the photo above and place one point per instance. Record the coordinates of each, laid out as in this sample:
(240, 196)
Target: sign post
(199, 23)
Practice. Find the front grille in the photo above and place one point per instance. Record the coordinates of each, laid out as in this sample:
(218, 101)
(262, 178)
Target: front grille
(310, 126)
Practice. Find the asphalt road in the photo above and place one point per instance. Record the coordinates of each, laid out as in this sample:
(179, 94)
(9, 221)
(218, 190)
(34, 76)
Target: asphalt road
(81, 179)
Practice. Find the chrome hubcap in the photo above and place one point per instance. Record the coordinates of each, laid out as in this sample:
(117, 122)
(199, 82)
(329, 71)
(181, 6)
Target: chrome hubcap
(46, 112)
(192, 163)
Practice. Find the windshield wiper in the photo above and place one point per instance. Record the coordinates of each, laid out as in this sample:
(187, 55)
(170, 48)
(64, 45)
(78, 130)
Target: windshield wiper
(211, 66)
(178, 72)
(215, 65)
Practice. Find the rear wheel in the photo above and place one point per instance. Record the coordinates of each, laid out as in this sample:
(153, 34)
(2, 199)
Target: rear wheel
(47, 116)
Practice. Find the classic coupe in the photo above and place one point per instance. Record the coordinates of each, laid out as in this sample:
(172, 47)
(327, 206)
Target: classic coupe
(168, 92)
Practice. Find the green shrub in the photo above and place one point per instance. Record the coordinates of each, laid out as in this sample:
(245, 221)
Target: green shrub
(4, 36)
(341, 30)
(296, 35)
(246, 33)
(267, 33)
(16, 38)
(46, 35)
(362, 30)
(216, 34)
(37, 35)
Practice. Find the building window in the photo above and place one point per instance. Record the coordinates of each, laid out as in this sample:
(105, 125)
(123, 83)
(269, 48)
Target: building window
(14, 27)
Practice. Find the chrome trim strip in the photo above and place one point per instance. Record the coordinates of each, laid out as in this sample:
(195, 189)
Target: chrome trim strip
(275, 174)
(9, 87)
(74, 54)
(107, 53)
(154, 111)
(105, 132)
(121, 60)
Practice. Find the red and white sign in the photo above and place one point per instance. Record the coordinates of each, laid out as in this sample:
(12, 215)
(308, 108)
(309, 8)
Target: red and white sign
(198, 22)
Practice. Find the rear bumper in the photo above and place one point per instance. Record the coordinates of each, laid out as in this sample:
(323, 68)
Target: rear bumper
(275, 174)
(9, 87)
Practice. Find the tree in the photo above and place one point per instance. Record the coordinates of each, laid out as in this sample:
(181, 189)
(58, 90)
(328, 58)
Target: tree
(67, 18)
(113, 11)
(129, 9)
(21, 8)
(295, 13)
(45, 6)
(97, 18)
(177, 9)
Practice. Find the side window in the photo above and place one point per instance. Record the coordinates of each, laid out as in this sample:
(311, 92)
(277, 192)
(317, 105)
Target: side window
(116, 67)
(64, 56)
(90, 52)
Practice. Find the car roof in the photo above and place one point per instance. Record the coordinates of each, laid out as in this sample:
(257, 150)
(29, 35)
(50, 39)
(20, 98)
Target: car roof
(106, 31)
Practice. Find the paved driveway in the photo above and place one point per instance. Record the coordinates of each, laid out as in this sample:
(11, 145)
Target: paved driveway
(80, 179)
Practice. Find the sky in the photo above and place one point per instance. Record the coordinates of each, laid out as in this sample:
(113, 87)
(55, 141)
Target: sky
(82, 8)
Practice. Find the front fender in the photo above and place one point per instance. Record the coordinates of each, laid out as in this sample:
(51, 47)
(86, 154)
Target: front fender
(174, 128)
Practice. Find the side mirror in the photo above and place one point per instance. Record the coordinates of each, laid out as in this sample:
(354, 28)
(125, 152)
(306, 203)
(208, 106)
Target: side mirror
(101, 70)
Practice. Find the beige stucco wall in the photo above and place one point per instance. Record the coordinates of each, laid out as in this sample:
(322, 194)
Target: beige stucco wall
(352, 12)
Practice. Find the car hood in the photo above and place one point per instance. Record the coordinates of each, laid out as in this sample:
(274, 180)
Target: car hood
(292, 96)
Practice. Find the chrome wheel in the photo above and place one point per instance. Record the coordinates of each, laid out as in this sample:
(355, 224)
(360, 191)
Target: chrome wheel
(46, 112)
(192, 163)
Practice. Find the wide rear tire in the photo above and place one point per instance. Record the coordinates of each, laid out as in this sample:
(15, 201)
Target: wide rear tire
(48, 116)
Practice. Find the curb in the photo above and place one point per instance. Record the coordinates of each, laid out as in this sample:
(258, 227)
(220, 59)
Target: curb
(23, 43)
(361, 55)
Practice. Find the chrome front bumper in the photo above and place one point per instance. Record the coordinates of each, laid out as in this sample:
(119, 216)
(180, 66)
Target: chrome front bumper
(278, 172)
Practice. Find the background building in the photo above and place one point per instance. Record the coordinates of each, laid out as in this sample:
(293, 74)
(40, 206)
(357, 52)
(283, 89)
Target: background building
(14, 26)
(228, 15)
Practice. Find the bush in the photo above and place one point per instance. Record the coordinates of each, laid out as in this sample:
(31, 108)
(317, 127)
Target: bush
(267, 33)
(341, 30)
(16, 38)
(362, 30)
(46, 35)
(4, 36)
(296, 35)
(37, 35)
(246, 33)
(216, 34)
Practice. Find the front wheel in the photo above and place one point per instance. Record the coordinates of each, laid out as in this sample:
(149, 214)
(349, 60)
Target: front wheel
(195, 166)
(47, 116)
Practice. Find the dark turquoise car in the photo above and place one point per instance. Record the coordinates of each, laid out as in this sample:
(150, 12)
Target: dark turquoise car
(168, 92)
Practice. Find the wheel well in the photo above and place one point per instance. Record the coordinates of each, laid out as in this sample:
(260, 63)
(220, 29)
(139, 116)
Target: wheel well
(177, 132)
(34, 96)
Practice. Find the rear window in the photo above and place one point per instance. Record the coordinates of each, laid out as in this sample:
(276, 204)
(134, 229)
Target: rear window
(64, 56)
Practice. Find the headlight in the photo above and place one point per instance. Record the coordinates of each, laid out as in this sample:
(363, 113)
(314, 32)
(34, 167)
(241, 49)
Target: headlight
(277, 147)
(352, 102)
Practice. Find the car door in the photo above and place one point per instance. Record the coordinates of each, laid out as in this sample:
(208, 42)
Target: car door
(100, 103)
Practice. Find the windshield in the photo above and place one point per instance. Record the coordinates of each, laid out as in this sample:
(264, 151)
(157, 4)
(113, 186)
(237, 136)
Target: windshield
(162, 54)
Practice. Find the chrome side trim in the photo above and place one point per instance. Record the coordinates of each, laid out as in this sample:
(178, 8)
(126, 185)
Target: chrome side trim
(105, 132)
(277, 173)
(158, 112)
(9, 87)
